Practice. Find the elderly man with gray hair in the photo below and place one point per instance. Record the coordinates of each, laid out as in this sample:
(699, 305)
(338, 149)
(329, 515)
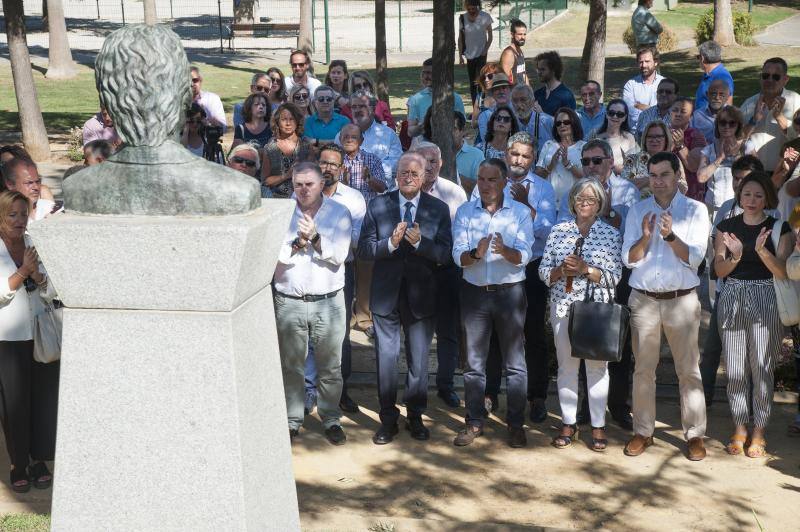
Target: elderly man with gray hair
(244, 158)
(710, 57)
(309, 302)
(530, 116)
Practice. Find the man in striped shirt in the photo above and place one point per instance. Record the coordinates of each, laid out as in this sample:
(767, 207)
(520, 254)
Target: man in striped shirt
(364, 169)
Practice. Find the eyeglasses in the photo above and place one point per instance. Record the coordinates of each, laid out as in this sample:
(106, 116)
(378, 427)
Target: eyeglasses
(197, 80)
(300, 96)
(585, 200)
(727, 123)
(325, 99)
(616, 114)
(596, 161)
(298, 65)
(502, 119)
(560, 123)
(241, 160)
(665, 91)
(360, 86)
(489, 77)
(655, 137)
(259, 88)
(775, 77)
(332, 164)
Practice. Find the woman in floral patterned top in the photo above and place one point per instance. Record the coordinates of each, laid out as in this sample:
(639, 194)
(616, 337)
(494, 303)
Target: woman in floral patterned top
(286, 148)
(578, 252)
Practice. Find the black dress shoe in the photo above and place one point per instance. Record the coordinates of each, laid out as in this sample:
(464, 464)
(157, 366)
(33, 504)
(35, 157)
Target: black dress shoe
(450, 398)
(516, 437)
(622, 418)
(293, 433)
(538, 411)
(417, 429)
(347, 404)
(335, 435)
(385, 435)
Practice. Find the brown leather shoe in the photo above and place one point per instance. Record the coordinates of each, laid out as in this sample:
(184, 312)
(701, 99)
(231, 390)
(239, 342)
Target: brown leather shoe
(697, 451)
(467, 435)
(637, 445)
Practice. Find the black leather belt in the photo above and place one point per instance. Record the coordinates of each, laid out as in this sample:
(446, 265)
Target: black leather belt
(310, 298)
(666, 295)
(494, 287)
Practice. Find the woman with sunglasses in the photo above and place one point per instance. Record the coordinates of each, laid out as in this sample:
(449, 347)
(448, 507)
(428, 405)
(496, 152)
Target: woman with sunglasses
(191, 137)
(22, 288)
(560, 158)
(337, 79)
(277, 91)
(716, 158)
(786, 174)
(656, 138)
(286, 148)
(255, 130)
(616, 131)
(687, 144)
(300, 96)
(502, 125)
(484, 82)
(360, 80)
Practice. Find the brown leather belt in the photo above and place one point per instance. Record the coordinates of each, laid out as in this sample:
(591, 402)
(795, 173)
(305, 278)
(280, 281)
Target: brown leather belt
(311, 298)
(666, 295)
(493, 287)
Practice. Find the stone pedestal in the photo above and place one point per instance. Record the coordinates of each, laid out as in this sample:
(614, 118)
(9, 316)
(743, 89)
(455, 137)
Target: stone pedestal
(171, 412)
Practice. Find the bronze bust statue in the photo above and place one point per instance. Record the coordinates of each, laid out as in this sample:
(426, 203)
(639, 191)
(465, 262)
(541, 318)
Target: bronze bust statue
(142, 75)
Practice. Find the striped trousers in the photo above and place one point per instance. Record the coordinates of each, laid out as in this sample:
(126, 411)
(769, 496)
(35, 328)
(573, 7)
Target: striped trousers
(751, 332)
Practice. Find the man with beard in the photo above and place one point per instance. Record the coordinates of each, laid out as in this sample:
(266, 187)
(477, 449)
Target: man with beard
(640, 91)
(512, 60)
(535, 193)
(300, 62)
(703, 119)
(554, 94)
(331, 159)
(530, 116)
(378, 139)
(666, 94)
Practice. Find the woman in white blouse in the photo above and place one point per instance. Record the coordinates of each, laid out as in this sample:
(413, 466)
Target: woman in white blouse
(568, 274)
(617, 133)
(560, 159)
(22, 283)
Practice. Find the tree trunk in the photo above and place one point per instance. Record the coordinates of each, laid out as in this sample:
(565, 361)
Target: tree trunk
(150, 17)
(34, 135)
(44, 15)
(442, 117)
(723, 23)
(593, 61)
(381, 63)
(305, 37)
(60, 64)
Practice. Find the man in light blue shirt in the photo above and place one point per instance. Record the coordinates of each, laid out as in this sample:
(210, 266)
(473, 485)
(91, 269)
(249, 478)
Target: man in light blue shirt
(593, 112)
(468, 158)
(419, 103)
(492, 240)
(710, 57)
(640, 91)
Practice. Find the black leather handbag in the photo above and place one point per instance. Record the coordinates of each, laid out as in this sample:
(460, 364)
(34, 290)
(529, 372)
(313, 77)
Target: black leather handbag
(597, 330)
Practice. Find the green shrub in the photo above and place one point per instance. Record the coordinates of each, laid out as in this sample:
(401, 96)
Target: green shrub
(667, 41)
(743, 28)
(75, 144)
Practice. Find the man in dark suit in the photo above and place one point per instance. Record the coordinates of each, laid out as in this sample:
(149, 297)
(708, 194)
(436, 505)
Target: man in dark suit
(407, 233)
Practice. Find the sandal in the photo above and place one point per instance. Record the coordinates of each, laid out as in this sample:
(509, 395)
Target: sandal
(757, 448)
(563, 441)
(40, 475)
(19, 480)
(736, 444)
(599, 444)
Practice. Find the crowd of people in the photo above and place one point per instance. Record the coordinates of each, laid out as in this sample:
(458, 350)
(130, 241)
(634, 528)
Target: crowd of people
(631, 202)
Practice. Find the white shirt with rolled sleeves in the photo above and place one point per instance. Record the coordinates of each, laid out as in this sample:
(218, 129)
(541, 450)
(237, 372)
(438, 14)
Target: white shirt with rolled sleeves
(308, 272)
(450, 193)
(212, 105)
(384, 143)
(542, 198)
(473, 222)
(624, 195)
(767, 136)
(637, 91)
(660, 270)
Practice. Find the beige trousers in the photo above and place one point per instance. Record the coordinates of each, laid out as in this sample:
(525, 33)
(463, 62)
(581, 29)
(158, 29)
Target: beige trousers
(362, 318)
(679, 318)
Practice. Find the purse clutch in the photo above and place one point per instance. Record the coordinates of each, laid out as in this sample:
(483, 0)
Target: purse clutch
(597, 330)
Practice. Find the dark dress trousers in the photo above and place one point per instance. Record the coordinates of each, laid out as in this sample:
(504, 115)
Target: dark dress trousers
(403, 293)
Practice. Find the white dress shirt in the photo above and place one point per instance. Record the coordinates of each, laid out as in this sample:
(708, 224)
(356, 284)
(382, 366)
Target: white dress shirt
(660, 270)
(212, 105)
(17, 307)
(354, 201)
(414, 203)
(308, 272)
(473, 222)
(450, 193)
(767, 136)
(637, 91)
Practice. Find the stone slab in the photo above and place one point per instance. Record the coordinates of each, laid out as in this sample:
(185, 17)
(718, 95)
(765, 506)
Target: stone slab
(162, 262)
(173, 421)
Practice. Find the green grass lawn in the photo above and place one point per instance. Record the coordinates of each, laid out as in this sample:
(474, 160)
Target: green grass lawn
(24, 523)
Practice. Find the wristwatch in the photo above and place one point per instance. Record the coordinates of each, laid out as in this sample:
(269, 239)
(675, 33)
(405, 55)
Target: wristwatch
(474, 254)
(589, 271)
(612, 214)
(314, 239)
(670, 237)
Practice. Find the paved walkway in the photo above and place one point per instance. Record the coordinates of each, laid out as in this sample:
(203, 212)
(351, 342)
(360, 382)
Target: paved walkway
(784, 33)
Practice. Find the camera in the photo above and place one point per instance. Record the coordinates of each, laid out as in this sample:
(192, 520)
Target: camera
(213, 148)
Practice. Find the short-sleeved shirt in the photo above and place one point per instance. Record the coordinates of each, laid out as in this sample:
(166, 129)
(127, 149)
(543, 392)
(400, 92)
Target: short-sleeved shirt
(468, 159)
(316, 128)
(475, 33)
(419, 103)
(767, 135)
(719, 188)
(559, 97)
(750, 267)
(719, 72)
(261, 139)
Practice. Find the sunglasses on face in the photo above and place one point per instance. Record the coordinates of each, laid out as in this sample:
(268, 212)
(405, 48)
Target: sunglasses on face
(775, 77)
(276, 79)
(728, 123)
(560, 123)
(197, 80)
(300, 96)
(360, 86)
(488, 77)
(502, 119)
(261, 89)
(297, 65)
(241, 160)
(325, 99)
(616, 114)
(596, 161)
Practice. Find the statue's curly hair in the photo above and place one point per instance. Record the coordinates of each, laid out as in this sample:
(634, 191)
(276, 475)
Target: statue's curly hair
(142, 76)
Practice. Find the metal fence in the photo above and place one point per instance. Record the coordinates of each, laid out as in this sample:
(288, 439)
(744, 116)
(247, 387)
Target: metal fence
(339, 25)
